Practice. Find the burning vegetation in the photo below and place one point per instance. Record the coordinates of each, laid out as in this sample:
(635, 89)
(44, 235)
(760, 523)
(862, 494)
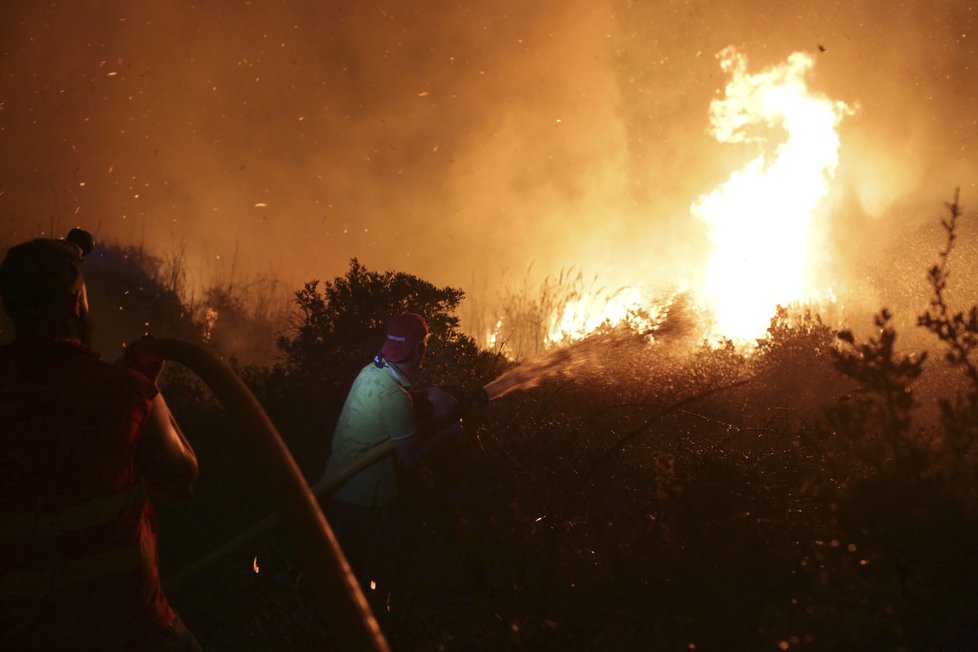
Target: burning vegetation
(766, 223)
(752, 429)
(763, 220)
(815, 491)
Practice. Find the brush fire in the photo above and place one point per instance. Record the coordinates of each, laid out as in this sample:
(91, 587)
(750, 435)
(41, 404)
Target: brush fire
(763, 221)
(587, 324)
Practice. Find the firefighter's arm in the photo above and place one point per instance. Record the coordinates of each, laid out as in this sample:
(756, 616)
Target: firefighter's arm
(164, 457)
(439, 425)
(412, 449)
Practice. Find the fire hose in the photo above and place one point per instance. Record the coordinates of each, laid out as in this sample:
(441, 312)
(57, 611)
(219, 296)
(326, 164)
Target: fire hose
(322, 490)
(349, 615)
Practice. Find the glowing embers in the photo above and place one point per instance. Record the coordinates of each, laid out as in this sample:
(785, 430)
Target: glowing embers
(760, 219)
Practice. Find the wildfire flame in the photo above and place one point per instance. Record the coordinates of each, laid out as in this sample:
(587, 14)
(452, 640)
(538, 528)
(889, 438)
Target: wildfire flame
(582, 317)
(760, 219)
(585, 313)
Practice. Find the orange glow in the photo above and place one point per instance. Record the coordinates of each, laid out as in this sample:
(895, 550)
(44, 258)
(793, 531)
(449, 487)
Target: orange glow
(582, 317)
(584, 313)
(761, 219)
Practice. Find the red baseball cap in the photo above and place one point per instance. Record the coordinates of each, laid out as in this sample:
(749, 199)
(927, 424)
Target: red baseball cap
(404, 332)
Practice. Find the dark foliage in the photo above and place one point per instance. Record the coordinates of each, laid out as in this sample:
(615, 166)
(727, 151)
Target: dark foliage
(661, 498)
(902, 493)
(127, 299)
(612, 509)
(338, 329)
(879, 414)
(958, 332)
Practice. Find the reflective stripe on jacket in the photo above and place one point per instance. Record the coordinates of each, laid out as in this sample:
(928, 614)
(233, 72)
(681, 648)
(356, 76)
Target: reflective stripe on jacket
(47, 532)
(77, 534)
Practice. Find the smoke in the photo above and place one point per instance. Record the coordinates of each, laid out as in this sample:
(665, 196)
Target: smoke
(454, 140)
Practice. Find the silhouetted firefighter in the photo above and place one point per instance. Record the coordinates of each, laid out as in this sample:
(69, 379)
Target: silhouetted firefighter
(383, 408)
(85, 443)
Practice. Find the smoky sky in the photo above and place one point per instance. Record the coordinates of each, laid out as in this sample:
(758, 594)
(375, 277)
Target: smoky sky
(460, 141)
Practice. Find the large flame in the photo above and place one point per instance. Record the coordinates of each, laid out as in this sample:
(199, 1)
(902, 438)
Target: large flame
(760, 219)
(760, 222)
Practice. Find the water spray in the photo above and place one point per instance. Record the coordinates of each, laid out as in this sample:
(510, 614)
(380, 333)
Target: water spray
(525, 376)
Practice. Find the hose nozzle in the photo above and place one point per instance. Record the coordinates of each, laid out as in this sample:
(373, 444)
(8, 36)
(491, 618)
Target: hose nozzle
(476, 398)
(467, 399)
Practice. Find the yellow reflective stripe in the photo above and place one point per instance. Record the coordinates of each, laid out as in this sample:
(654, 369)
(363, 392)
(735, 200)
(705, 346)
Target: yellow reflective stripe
(97, 511)
(38, 583)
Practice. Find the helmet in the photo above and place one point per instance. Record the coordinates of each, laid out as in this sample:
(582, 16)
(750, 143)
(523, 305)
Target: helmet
(37, 273)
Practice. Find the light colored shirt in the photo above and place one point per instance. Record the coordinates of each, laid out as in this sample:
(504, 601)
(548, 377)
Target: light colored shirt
(377, 408)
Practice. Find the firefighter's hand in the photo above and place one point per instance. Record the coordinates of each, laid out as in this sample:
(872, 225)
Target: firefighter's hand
(443, 404)
(138, 357)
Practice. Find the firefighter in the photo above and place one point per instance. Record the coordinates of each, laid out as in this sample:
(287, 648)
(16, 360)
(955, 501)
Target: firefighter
(85, 444)
(366, 512)
(380, 406)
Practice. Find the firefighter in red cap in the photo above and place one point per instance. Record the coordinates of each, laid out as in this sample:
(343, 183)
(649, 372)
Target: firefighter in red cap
(85, 443)
(364, 512)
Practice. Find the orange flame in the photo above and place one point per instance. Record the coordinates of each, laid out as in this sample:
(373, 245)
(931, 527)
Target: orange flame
(760, 219)
(583, 316)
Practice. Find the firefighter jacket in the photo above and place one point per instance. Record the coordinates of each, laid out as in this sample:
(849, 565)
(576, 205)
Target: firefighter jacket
(78, 563)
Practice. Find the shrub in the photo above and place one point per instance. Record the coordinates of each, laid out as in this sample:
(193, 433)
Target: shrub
(337, 329)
